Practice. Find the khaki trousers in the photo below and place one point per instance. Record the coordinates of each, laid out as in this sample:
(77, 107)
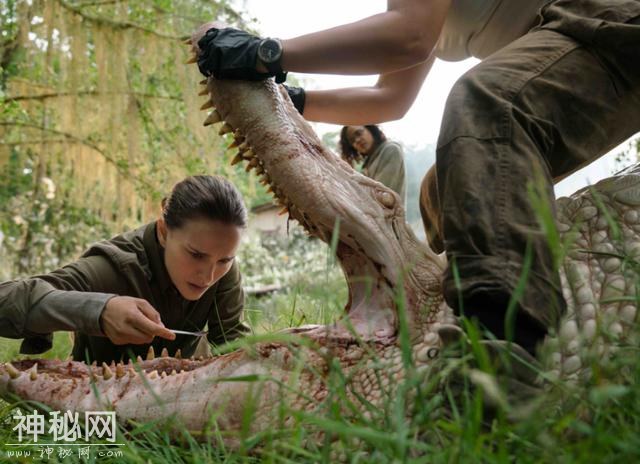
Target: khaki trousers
(533, 112)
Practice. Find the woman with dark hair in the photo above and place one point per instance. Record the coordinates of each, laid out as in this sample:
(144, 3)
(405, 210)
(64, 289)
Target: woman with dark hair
(383, 159)
(120, 297)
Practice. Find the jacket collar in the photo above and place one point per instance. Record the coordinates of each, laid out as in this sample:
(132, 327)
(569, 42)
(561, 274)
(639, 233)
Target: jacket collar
(155, 254)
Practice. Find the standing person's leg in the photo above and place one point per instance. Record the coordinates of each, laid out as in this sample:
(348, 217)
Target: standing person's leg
(536, 110)
(430, 210)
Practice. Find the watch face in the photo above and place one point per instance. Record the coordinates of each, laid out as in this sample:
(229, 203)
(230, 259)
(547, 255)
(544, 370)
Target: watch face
(270, 51)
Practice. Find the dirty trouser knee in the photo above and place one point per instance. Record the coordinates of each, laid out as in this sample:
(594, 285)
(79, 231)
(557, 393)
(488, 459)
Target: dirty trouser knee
(547, 104)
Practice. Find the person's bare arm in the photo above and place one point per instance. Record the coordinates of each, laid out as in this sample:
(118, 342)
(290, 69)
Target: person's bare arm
(401, 37)
(389, 99)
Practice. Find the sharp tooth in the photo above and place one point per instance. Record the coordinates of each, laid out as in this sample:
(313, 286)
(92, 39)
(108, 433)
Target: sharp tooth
(119, 370)
(225, 129)
(203, 81)
(238, 135)
(203, 92)
(187, 41)
(178, 354)
(283, 211)
(164, 353)
(207, 105)
(153, 374)
(236, 159)
(151, 354)
(213, 118)
(264, 181)
(254, 162)
(131, 372)
(33, 372)
(139, 359)
(173, 372)
(106, 372)
(237, 141)
(193, 59)
(259, 170)
(12, 371)
(270, 189)
(249, 154)
(244, 146)
(163, 374)
(94, 364)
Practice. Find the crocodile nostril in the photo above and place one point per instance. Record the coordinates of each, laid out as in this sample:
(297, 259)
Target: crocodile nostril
(386, 199)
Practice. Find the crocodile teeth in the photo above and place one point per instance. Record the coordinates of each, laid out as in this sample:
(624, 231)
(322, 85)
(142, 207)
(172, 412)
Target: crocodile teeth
(151, 354)
(236, 159)
(12, 371)
(270, 189)
(283, 211)
(153, 375)
(164, 353)
(173, 372)
(237, 141)
(204, 81)
(259, 169)
(119, 370)
(249, 154)
(106, 372)
(33, 372)
(264, 181)
(139, 359)
(208, 104)
(193, 59)
(163, 374)
(203, 92)
(225, 129)
(187, 41)
(244, 146)
(213, 118)
(178, 354)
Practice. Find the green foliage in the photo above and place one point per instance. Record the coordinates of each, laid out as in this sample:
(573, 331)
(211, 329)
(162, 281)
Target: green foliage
(95, 101)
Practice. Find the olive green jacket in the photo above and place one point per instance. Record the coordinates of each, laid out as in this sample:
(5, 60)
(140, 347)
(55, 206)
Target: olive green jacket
(386, 165)
(131, 264)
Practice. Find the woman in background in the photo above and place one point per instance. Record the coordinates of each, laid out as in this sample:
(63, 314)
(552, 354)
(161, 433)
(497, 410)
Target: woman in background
(383, 159)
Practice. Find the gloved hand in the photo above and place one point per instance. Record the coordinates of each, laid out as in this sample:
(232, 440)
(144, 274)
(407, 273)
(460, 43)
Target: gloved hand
(230, 54)
(297, 96)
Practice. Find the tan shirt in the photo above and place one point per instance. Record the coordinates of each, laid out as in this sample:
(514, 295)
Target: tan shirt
(479, 28)
(386, 165)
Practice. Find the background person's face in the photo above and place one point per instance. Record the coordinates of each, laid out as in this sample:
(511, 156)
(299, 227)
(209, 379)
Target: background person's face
(198, 254)
(360, 139)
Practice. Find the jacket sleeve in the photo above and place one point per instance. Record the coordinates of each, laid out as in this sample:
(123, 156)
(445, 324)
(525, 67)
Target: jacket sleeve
(224, 317)
(69, 298)
(391, 168)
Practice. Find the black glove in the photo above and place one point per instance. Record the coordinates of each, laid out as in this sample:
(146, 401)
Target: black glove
(297, 96)
(230, 54)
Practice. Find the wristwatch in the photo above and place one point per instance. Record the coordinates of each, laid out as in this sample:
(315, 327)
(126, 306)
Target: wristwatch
(270, 53)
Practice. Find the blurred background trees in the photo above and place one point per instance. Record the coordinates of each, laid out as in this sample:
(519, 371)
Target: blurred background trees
(99, 117)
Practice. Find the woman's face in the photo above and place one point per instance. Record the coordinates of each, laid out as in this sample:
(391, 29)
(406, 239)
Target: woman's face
(198, 254)
(360, 139)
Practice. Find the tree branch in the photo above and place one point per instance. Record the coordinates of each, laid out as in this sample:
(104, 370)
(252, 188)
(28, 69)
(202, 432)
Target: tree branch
(44, 96)
(80, 141)
(114, 24)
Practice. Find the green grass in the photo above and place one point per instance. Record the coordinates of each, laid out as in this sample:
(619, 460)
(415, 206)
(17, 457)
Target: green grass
(594, 421)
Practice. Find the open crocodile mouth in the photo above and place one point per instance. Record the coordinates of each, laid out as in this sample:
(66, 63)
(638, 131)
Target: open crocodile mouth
(376, 249)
